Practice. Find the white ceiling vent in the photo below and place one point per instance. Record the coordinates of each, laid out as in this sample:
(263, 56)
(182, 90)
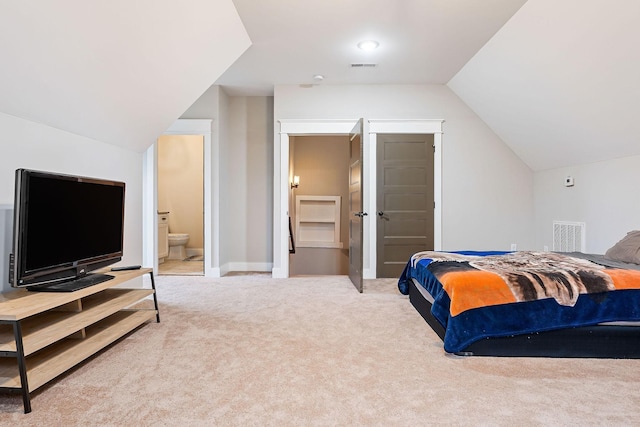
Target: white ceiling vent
(569, 236)
(361, 65)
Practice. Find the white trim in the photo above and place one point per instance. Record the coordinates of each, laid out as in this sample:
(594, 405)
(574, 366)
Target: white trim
(149, 209)
(316, 127)
(343, 127)
(281, 181)
(211, 195)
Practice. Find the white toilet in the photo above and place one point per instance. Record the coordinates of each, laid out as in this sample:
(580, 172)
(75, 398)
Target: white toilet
(177, 245)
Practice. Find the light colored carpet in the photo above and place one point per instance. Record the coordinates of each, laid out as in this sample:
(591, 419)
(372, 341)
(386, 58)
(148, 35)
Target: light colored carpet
(311, 351)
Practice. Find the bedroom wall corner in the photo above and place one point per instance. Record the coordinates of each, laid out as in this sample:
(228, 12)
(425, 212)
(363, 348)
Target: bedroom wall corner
(487, 190)
(604, 196)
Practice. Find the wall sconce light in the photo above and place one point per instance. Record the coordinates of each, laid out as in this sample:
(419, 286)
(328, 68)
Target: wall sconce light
(296, 181)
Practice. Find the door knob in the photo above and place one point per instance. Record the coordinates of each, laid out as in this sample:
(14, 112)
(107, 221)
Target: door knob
(380, 213)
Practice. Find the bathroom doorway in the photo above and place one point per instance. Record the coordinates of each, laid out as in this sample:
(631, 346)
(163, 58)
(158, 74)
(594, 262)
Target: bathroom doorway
(180, 196)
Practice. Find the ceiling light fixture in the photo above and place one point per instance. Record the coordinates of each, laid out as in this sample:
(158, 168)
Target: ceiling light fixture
(318, 78)
(368, 45)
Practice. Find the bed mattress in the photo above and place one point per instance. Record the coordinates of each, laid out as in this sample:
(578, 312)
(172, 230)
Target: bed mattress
(517, 314)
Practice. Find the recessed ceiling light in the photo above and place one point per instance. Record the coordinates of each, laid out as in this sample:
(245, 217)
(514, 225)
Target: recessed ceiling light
(318, 77)
(368, 44)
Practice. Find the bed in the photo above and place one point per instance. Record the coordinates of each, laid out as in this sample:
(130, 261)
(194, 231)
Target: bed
(534, 304)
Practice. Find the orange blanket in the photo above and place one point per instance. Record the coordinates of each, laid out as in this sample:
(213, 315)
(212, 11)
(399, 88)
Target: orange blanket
(479, 281)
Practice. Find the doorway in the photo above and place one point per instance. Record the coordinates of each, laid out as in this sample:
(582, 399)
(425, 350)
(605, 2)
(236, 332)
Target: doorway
(211, 197)
(283, 177)
(180, 167)
(318, 209)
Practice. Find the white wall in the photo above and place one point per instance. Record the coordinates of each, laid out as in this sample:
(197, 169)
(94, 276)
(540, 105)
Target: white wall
(487, 190)
(25, 144)
(604, 196)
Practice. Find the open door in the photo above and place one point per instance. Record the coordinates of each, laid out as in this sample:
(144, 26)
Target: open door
(355, 205)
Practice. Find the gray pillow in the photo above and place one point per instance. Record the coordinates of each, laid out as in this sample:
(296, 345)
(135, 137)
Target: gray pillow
(627, 249)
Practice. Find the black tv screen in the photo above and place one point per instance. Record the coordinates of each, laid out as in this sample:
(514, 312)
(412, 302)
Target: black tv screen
(64, 226)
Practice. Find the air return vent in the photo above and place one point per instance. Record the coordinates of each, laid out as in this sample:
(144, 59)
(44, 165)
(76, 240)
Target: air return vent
(363, 65)
(569, 236)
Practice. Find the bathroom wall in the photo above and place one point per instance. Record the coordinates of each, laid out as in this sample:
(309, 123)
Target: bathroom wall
(322, 163)
(180, 186)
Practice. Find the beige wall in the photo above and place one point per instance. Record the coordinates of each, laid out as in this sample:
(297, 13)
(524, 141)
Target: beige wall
(180, 185)
(322, 163)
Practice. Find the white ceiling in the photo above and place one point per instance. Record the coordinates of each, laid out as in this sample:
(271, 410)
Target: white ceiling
(117, 71)
(421, 41)
(560, 82)
(557, 80)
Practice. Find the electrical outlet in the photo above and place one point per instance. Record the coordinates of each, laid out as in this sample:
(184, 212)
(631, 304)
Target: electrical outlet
(546, 248)
(514, 247)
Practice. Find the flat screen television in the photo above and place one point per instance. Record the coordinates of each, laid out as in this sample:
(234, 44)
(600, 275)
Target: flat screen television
(64, 227)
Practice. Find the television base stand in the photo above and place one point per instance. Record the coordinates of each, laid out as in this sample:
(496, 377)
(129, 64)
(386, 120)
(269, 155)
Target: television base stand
(42, 335)
(73, 285)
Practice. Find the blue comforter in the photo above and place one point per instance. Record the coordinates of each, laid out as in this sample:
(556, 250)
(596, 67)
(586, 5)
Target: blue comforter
(524, 316)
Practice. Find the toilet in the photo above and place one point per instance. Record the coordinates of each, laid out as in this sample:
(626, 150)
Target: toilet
(177, 245)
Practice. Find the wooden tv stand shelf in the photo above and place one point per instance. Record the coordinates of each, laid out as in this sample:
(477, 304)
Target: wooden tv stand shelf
(43, 334)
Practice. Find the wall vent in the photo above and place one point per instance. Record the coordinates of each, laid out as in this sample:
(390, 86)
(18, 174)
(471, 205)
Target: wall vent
(363, 65)
(569, 236)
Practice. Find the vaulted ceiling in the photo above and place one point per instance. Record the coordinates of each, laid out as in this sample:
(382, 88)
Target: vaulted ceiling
(117, 71)
(555, 79)
(559, 83)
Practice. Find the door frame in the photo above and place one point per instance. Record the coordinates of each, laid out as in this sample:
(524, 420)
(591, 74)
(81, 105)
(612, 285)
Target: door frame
(201, 127)
(282, 179)
(283, 176)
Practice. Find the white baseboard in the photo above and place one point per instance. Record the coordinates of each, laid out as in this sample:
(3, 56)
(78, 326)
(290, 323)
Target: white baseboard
(278, 273)
(212, 272)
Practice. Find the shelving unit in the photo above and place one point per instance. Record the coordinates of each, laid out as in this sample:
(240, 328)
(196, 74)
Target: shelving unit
(318, 221)
(43, 334)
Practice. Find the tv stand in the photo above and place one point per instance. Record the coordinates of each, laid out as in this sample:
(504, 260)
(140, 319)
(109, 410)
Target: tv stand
(74, 284)
(43, 334)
